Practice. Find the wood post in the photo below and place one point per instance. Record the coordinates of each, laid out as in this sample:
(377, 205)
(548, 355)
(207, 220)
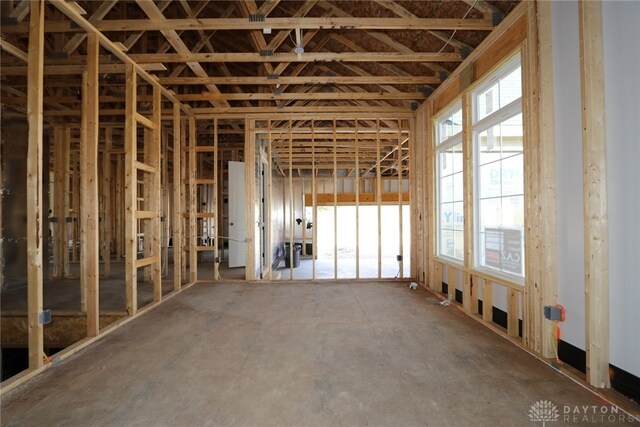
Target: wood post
(357, 190)
(107, 205)
(165, 211)
(270, 192)
(154, 197)
(216, 198)
(513, 311)
(250, 192)
(89, 236)
(119, 200)
(60, 234)
(34, 181)
(131, 192)
(596, 238)
(291, 204)
(193, 203)
(335, 202)
(467, 188)
(314, 202)
(399, 170)
(379, 196)
(548, 247)
(177, 199)
(487, 300)
(184, 198)
(67, 199)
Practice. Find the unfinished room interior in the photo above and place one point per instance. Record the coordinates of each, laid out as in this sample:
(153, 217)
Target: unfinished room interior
(320, 212)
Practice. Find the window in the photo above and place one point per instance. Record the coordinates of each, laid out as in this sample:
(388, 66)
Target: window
(450, 224)
(499, 172)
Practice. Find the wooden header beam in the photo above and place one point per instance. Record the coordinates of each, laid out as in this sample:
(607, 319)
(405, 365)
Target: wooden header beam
(301, 80)
(53, 70)
(144, 58)
(226, 24)
(299, 95)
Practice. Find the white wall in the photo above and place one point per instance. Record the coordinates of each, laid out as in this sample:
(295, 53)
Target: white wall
(568, 122)
(621, 27)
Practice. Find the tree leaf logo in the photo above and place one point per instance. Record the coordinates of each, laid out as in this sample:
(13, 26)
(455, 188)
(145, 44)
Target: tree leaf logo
(544, 411)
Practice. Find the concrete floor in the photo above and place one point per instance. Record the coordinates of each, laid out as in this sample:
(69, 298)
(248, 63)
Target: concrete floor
(293, 354)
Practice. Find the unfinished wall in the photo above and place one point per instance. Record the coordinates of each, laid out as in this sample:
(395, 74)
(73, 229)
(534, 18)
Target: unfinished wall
(568, 125)
(14, 205)
(622, 104)
(623, 156)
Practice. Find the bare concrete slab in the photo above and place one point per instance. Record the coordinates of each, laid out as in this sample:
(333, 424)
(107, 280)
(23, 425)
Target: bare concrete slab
(293, 354)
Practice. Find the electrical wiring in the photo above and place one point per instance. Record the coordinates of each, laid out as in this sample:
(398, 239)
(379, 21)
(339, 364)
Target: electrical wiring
(454, 31)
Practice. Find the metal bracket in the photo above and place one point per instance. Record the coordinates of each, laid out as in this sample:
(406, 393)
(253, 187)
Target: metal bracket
(442, 75)
(45, 317)
(266, 52)
(273, 76)
(256, 17)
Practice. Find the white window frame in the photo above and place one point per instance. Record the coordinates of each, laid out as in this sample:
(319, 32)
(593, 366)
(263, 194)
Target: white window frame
(442, 147)
(499, 116)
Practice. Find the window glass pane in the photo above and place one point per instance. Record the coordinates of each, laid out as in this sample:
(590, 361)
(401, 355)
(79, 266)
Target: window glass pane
(458, 160)
(487, 102)
(499, 167)
(511, 131)
(512, 175)
(447, 243)
(510, 87)
(490, 213)
(449, 125)
(447, 216)
(458, 237)
(489, 145)
(446, 163)
(489, 182)
(443, 131)
(513, 212)
(458, 216)
(450, 182)
(446, 189)
(456, 122)
(457, 187)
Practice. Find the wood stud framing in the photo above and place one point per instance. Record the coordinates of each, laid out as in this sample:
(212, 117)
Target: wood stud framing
(89, 237)
(34, 182)
(596, 239)
(133, 172)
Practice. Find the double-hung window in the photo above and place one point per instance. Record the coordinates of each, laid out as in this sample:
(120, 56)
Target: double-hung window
(449, 158)
(499, 172)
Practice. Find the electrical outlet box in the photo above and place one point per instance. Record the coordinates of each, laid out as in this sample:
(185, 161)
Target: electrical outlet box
(554, 312)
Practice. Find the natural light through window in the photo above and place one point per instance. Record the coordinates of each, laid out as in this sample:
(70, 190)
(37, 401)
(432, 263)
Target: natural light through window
(499, 172)
(450, 204)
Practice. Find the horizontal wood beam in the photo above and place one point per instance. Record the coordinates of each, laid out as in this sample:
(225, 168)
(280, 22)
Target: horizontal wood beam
(371, 112)
(302, 80)
(144, 58)
(326, 199)
(299, 95)
(79, 21)
(61, 70)
(235, 24)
